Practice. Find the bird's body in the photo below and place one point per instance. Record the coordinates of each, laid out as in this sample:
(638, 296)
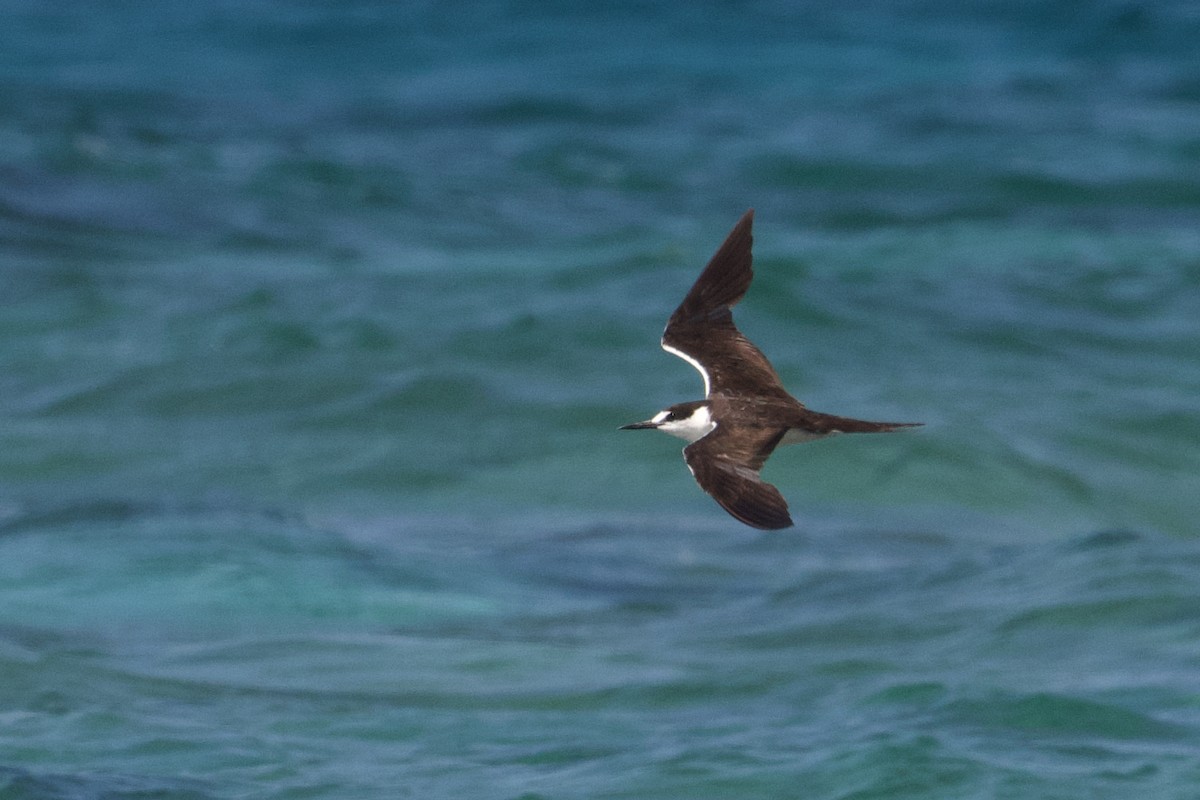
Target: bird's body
(746, 412)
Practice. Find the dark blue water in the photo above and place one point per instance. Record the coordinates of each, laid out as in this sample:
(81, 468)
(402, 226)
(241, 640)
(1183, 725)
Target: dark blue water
(317, 321)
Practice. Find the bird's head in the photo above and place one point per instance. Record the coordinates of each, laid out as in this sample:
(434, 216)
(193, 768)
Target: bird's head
(688, 421)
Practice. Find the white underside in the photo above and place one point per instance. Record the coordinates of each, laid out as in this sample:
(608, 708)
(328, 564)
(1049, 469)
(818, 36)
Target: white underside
(701, 424)
(797, 436)
(695, 427)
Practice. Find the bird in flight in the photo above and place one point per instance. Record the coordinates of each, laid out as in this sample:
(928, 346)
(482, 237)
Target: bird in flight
(746, 413)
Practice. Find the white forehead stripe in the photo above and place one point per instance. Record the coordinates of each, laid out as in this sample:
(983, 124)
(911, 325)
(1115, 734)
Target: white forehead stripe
(703, 372)
(695, 426)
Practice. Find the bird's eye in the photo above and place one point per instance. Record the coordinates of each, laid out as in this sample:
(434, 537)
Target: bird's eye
(670, 417)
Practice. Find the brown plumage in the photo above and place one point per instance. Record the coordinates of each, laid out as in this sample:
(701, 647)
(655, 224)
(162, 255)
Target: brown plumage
(746, 412)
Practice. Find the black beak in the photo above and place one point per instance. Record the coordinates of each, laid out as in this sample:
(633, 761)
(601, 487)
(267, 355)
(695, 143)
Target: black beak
(637, 426)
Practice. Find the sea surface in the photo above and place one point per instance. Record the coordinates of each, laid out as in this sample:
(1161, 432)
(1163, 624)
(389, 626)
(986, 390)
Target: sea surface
(318, 320)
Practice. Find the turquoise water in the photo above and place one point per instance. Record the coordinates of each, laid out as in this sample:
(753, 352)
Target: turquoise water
(317, 322)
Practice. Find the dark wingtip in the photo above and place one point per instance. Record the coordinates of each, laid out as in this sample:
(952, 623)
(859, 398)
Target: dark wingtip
(745, 223)
(765, 510)
(771, 525)
(724, 280)
(771, 522)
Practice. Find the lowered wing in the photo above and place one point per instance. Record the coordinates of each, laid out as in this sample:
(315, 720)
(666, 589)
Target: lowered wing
(726, 464)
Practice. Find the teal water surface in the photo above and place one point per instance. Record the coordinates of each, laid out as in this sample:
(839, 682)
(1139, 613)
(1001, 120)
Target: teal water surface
(317, 323)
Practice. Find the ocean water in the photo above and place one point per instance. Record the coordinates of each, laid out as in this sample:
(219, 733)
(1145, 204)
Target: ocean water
(317, 321)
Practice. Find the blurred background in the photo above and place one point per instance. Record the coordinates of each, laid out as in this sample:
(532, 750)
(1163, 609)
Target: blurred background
(317, 321)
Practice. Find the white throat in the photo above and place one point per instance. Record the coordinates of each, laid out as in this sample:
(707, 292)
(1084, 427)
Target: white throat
(695, 427)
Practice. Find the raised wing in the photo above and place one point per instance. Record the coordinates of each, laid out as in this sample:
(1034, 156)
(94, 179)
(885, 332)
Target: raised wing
(702, 333)
(726, 464)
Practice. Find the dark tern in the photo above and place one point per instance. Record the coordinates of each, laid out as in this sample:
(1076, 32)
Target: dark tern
(746, 413)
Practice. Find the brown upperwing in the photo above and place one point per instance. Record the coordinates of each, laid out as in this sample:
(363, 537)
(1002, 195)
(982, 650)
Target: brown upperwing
(726, 464)
(704, 323)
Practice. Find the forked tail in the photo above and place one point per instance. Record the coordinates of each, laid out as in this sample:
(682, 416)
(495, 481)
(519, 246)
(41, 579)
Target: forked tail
(831, 423)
